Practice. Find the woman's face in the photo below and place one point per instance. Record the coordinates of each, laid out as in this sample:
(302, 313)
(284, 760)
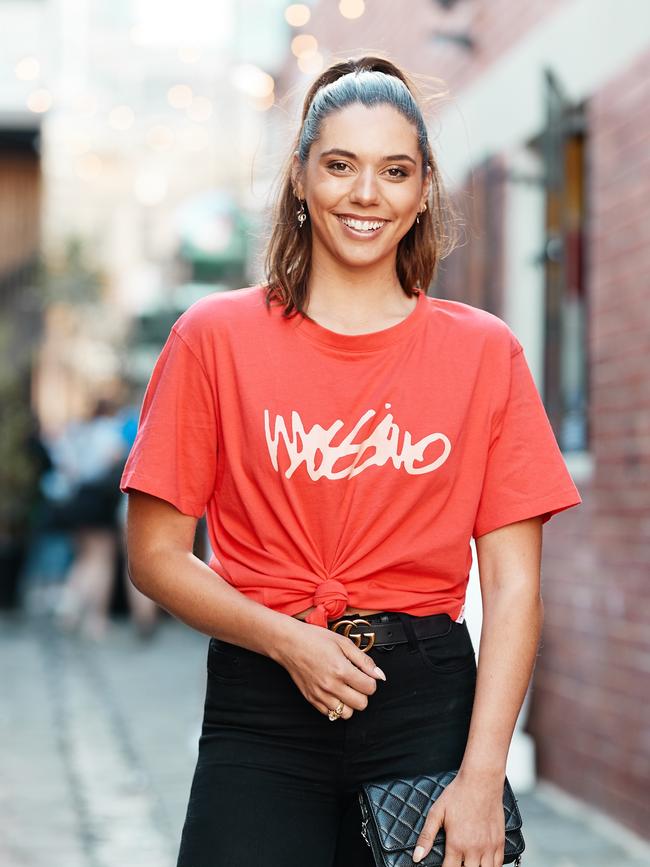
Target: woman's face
(366, 166)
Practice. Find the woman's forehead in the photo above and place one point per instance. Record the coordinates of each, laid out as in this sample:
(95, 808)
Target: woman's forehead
(385, 131)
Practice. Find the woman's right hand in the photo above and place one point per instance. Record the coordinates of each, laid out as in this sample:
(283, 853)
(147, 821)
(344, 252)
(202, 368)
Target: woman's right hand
(328, 667)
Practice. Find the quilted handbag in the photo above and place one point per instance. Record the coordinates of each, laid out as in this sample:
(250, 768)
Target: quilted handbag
(394, 811)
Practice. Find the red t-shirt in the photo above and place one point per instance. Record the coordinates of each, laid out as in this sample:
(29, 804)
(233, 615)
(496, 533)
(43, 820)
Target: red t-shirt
(343, 469)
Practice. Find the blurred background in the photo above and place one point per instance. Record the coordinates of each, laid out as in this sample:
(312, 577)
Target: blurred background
(139, 144)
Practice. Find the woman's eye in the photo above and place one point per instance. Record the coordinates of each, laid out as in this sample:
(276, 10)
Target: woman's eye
(339, 165)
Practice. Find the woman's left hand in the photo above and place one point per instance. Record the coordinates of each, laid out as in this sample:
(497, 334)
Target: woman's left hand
(471, 811)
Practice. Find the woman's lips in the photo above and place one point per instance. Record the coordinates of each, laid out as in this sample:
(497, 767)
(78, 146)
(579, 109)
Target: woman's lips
(359, 233)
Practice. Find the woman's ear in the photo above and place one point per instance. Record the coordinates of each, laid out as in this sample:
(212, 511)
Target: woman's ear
(426, 186)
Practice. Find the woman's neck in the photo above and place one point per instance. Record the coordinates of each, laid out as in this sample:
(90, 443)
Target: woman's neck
(358, 302)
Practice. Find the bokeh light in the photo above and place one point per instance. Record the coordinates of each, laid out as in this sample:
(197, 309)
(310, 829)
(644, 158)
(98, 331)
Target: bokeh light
(27, 69)
(310, 62)
(180, 96)
(89, 166)
(304, 43)
(189, 53)
(160, 137)
(39, 100)
(150, 187)
(352, 8)
(297, 15)
(252, 80)
(264, 103)
(78, 143)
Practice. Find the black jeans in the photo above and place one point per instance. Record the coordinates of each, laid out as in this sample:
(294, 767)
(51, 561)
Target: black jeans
(276, 781)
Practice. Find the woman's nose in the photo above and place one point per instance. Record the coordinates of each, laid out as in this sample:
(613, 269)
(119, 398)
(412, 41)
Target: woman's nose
(365, 187)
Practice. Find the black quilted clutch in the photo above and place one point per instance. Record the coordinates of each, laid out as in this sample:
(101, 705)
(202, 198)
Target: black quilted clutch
(394, 812)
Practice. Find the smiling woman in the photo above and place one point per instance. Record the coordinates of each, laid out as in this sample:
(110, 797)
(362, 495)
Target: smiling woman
(347, 435)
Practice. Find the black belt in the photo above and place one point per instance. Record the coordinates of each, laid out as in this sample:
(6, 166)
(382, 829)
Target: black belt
(378, 630)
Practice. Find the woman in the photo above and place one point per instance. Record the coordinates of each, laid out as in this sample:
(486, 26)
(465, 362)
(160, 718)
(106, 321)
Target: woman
(347, 435)
(92, 456)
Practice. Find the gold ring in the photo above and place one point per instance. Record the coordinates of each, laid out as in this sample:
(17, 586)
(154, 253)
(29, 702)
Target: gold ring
(336, 713)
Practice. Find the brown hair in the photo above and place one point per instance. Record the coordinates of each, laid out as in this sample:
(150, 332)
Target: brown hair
(287, 260)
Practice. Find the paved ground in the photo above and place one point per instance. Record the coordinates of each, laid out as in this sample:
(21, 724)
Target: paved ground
(98, 744)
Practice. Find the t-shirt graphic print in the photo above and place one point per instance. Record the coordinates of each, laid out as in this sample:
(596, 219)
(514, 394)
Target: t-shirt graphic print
(314, 448)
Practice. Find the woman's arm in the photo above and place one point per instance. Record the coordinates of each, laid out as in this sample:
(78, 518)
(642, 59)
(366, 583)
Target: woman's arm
(471, 808)
(160, 542)
(509, 561)
(326, 666)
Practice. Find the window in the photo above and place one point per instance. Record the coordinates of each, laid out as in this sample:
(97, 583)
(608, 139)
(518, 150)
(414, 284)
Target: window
(563, 145)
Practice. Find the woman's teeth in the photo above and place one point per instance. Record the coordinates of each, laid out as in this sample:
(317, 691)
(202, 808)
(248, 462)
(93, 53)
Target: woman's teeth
(362, 226)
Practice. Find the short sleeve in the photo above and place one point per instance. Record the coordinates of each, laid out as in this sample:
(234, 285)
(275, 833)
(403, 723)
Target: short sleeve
(174, 454)
(525, 474)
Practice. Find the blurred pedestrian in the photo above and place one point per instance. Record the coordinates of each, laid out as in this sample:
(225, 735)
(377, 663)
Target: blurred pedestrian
(49, 551)
(92, 453)
(347, 435)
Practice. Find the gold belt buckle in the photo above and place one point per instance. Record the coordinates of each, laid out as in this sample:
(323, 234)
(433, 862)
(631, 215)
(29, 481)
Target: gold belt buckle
(355, 636)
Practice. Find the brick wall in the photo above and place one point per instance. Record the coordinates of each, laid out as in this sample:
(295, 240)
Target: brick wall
(589, 712)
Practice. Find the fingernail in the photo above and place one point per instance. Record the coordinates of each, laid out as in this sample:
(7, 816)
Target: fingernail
(379, 673)
(419, 852)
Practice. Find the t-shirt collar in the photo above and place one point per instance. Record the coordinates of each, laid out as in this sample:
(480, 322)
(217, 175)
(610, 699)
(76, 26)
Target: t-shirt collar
(311, 329)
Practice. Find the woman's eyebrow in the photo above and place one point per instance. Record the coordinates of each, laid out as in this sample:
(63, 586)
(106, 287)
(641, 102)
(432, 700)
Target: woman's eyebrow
(343, 153)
